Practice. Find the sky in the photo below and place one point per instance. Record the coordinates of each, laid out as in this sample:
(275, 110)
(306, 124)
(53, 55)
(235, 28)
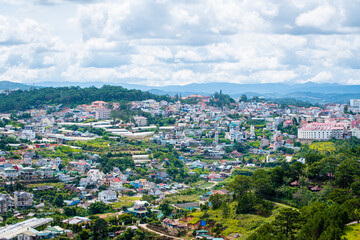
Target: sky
(177, 42)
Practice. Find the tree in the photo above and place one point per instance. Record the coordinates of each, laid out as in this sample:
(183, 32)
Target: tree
(243, 98)
(83, 235)
(239, 185)
(98, 207)
(355, 188)
(345, 173)
(245, 203)
(59, 200)
(100, 228)
(288, 222)
(216, 201)
(225, 209)
(262, 182)
(165, 208)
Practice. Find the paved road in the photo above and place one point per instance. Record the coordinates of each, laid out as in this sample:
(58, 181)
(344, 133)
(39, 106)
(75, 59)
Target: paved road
(158, 233)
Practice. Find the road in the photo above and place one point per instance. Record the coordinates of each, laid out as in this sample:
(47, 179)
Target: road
(158, 233)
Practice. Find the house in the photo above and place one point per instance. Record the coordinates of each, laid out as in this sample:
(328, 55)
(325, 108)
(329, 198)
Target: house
(82, 166)
(140, 121)
(10, 173)
(46, 172)
(107, 196)
(129, 172)
(76, 220)
(84, 182)
(23, 199)
(5, 203)
(27, 173)
(116, 184)
(138, 204)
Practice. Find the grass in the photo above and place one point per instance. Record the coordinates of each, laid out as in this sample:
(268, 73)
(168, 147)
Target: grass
(205, 185)
(125, 201)
(243, 224)
(352, 232)
(182, 198)
(323, 147)
(55, 185)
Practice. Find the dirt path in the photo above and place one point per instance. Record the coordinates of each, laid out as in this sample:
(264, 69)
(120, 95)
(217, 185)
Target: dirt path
(159, 233)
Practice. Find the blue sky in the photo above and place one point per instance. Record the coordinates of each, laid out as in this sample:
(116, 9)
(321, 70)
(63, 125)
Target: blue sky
(163, 42)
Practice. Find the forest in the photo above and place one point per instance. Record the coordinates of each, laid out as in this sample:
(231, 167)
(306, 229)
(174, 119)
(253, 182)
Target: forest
(70, 96)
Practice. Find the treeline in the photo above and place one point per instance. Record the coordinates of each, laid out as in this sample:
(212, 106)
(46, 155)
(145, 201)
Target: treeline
(71, 96)
(323, 211)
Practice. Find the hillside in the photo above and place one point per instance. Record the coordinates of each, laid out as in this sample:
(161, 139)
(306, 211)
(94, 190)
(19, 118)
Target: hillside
(6, 85)
(68, 96)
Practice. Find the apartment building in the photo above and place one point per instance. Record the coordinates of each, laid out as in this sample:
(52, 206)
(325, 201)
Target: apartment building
(322, 131)
(23, 199)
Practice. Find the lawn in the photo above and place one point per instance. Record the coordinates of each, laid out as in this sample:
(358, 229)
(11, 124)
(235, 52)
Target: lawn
(352, 232)
(182, 198)
(124, 201)
(55, 185)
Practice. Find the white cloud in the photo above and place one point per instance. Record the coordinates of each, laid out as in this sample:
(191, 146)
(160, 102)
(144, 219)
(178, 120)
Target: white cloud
(319, 17)
(177, 42)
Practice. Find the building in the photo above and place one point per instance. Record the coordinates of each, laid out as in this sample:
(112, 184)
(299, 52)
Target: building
(5, 203)
(23, 199)
(102, 113)
(46, 172)
(28, 133)
(27, 172)
(107, 196)
(355, 105)
(140, 121)
(322, 131)
(14, 230)
(10, 173)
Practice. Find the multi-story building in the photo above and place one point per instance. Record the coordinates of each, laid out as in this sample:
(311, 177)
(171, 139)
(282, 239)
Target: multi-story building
(46, 172)
(5, 203)
(27, 172)
(107, 196)
(355, 105)
(28, 133)
(102, 113)
(140, 121)
(322, 131)
(23, 199)
(10, 173)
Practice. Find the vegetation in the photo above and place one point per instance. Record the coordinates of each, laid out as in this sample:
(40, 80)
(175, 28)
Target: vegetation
(70, 96)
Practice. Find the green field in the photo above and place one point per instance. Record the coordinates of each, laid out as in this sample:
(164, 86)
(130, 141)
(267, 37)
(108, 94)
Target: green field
(125, 201)
(182, 198)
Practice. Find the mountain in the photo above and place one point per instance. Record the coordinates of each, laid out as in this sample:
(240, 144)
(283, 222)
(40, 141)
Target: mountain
(6, 85)
(309, 91)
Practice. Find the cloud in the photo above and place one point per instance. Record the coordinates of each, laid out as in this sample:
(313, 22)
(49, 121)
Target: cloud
(319, 17)
(162, 42)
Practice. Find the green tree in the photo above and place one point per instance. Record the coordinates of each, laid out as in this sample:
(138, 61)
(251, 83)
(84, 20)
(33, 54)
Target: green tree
(239, 185)
(59, 200)
(345, 173)
(288, 222)
(100, 228)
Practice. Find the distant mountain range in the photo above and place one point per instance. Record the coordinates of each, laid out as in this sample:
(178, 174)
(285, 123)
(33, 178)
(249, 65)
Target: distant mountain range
(6, 85)
(310, 91)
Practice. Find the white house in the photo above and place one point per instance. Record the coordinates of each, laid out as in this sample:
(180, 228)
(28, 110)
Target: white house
(107, 196)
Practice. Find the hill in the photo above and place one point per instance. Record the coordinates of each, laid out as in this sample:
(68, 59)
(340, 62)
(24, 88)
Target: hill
(6, 85)
(70, 96)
